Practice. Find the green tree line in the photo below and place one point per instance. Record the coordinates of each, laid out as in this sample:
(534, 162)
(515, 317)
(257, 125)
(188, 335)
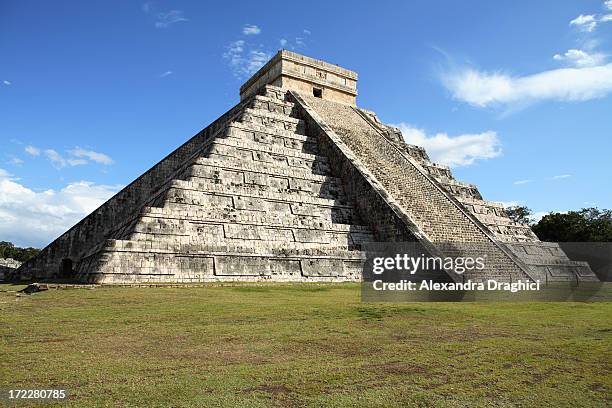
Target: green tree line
(9, 250)
(585, 225)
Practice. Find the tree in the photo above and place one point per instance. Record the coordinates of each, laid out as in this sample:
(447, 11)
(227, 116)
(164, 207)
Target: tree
(586, 225)
(9, 250)
(519, 214)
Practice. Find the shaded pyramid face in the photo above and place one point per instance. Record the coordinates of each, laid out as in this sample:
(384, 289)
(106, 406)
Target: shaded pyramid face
(256, 200)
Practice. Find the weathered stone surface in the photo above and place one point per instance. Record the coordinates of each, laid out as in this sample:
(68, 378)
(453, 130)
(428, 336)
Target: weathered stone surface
(288, 186)
(8, 266)
(289, 70)
(34, 288)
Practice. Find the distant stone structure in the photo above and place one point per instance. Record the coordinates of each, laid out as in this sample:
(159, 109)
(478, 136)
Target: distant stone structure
(8, 266)
(288, 185)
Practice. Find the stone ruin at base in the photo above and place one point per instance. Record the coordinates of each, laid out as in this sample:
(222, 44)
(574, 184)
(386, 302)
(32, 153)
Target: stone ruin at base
(289, 185)
(8, 266)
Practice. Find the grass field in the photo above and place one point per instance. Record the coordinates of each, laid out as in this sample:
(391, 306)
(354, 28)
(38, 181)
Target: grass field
(301, 345)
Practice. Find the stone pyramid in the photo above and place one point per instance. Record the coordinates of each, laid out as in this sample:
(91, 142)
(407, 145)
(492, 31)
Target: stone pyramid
(289, 185)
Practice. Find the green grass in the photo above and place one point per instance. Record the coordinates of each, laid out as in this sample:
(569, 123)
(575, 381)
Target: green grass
(301, 345)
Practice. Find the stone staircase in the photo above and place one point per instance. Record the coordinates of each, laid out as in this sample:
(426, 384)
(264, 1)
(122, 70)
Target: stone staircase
(545, 261)
(257, 202)
(444, 210)
(439, 218)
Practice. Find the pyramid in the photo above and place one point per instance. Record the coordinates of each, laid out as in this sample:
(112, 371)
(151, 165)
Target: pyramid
(290, 185)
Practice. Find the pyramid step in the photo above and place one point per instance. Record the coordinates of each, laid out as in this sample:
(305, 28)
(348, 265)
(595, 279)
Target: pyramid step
(251, 145)
(188, 219)
(485, 208)
(273, 92)
(207, 193)
(494, 216)
(268, 237)
(511, 233)
(273, 120)
(270, 177)
(191, 244)
(293, 214)
(272, 115)
(261, 237)
(264, 183)
(245, 150)
(267, 139)
(497, 220)
(239, 171)
(254, 127)
(459, 189)
(122, 261)
(436, 170)
(251, 159)
(274, 105)
(267, 249)
(550, 264)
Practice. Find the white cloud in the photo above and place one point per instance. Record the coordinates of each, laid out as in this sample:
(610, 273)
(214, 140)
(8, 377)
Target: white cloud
(589, 22)
(462, 150)
(250, 29)
(483, 89)
(165, 74)
(537, 216)
(245, 60)
(246, 57)
(295, 43)
(31, 150)
(58, 161)
(256, 60)
(507, 204)
(581, 58)
(234, 53)
(76, 157)
(35, 218)
(91, 155)
(588, 75)
(16, 161)
(166, 19)
(584, 22)
(519, 182)
(561, 176)
(7, 83)
(163, 19)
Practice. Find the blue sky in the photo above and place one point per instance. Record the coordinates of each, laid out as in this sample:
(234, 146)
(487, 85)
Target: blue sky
(515, 96)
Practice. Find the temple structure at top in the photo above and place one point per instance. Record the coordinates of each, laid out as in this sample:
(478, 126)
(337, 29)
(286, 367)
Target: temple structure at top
(288, 70)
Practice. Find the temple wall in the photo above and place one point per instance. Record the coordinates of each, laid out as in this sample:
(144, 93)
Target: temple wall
(296, 72)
